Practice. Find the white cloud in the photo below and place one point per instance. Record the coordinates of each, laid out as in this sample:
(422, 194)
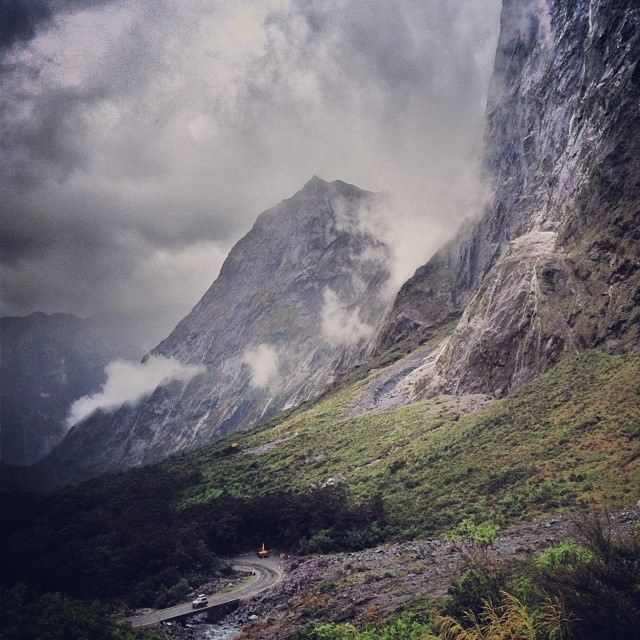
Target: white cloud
(129, 382)
(263, 362)
(341, 327)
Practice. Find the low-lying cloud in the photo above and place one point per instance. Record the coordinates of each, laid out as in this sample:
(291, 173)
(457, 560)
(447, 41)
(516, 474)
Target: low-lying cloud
(341, 326)
(263, 363)
(129, 382)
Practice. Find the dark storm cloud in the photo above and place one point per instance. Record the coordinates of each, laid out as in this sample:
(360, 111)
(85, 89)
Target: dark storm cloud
(139, 140)
(21, 20)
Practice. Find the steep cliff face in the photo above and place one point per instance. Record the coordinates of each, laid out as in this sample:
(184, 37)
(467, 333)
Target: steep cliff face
(552, 263)
(47, 362)
(297, 301)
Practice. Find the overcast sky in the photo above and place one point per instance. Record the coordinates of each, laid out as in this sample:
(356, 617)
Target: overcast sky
(140, 139)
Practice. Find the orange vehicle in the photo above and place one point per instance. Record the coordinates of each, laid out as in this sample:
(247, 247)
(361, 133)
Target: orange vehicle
(263, 552)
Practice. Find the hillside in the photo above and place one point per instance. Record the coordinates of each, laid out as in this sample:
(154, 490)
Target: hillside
(569, 438)
(320, 480)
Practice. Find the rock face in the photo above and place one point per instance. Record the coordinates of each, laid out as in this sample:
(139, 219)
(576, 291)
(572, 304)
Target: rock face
(48, 361)
(552, 264)
(296, 302)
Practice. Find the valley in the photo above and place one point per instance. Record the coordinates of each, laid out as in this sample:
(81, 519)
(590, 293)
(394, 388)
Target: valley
(452, 456)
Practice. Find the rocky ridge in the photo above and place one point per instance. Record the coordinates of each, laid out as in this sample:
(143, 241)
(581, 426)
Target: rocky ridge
(297, 301)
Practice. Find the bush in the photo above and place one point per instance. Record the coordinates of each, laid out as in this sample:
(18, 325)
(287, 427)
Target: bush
(590, 585)
(469, 532)
(471, 591)
(320, 542)
(26, 616)
(600, 588)
(404, 627)
(564, 554)
(511, 620)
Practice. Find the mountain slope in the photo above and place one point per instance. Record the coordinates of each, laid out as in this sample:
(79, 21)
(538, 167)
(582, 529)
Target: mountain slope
(552, 264)
(568, 438)
(296, 302)
(322, 480)
(47, 362)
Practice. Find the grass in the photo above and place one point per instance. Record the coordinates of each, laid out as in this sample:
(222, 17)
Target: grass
(569, 438)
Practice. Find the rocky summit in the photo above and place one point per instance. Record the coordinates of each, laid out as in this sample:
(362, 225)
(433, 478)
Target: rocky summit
(297, 301)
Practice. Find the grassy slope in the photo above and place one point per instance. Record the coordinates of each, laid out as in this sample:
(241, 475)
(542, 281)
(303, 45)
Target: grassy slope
(572, 436)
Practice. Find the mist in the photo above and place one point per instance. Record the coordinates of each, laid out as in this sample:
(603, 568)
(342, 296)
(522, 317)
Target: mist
(263, 364)
(342, 326)
(140, 140)
(128, 383)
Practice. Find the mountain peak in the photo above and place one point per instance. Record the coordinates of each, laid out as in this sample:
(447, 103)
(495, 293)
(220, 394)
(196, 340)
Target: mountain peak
(316, 186)
(295, 304)
(314, 181)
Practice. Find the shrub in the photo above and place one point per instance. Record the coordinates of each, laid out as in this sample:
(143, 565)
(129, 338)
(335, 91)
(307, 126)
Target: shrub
(564, 554)
(469, 532)
(320, 542)
(404, 627)
(510, 620)
(602, 590)
(469, 593)
(26, 616)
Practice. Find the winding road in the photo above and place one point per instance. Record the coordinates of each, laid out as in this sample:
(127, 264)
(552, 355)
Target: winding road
(265, 574)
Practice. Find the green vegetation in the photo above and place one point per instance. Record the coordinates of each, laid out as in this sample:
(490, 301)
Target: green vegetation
(405, 627)
(468, 531)
(26, 616)
(564, 554)
(329, 481)
(566, 440)
(509, 619)
(114, 539)
(125, 539)
(600, 592)
(596, 597)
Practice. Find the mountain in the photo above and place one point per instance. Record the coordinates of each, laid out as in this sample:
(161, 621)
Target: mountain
(501, 391)
(47, 362)
(551, 266)
(297, 301)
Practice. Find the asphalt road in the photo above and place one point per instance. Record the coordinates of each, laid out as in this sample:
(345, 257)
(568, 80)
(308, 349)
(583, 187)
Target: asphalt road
(265, 574)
